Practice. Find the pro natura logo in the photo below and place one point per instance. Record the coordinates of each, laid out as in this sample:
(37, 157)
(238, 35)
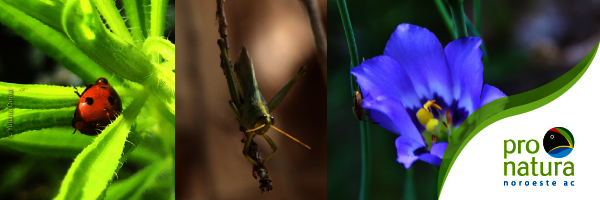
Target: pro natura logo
(559, 142)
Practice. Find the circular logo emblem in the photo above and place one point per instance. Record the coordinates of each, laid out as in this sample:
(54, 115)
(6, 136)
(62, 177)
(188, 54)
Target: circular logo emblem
(559, 142)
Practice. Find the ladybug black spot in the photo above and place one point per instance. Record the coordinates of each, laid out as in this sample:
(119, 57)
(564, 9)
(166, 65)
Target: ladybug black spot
(111, 101)
(89, 100)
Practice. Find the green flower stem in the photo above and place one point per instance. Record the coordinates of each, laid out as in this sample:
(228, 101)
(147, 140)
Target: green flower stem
(351, 42)
(365, 189)
(458, 14)
(446, 17)
(477, 14)
(476, 33)
(470, 27)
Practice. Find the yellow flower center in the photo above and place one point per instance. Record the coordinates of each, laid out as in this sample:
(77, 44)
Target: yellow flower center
(426, 117)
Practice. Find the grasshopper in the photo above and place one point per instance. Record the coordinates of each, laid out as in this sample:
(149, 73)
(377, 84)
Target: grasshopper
(250, 107)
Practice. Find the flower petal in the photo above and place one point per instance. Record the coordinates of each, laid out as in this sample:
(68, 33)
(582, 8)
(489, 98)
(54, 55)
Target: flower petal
(438, 149)
(490, 93)
(421, 55)
(390, 114)
(405, 147)
(436, 154)
(385, 74)
(464, 60)
(431, 159)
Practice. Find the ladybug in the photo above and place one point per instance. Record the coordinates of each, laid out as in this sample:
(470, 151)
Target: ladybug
(98, 106)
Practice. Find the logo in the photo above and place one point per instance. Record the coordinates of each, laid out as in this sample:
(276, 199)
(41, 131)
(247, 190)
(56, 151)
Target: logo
(559, 142)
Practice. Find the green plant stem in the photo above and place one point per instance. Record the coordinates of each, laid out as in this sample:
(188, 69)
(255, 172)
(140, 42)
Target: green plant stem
(477, 14)
(446, 17)
(365, 184)
(475, 33)
(470, 27)
(458, 14)
(351, 42)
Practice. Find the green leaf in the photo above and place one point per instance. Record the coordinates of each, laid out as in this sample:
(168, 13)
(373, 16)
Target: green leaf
(38, 96)
(53, 43)
(111, 15)
(34, 119)
(94, 167)
(51, 8)
(134, 10)
(135, 186)
(61, 142)
(157, 17)
(58, 141)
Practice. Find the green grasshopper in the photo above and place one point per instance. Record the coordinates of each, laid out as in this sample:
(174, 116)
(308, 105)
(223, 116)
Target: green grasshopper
(250, 107)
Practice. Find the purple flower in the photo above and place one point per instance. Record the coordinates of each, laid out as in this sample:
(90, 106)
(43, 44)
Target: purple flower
(418, 88)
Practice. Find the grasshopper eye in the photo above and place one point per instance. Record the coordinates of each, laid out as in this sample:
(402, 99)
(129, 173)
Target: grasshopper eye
(262, 118)
(272, 120)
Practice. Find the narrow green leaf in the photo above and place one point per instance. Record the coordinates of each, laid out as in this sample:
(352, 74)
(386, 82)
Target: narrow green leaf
(34, 119)
(135, 186)
(110, 13)
(134, 10)
(157, 19)
(51, 9)
(53, 43)
(38, 96)
(94, 167)
(59, 141)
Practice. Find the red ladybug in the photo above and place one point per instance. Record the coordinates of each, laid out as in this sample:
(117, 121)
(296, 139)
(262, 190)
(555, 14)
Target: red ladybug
(99, 104)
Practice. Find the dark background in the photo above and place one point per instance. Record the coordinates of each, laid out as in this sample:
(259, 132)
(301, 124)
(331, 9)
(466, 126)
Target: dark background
(26, 176)
(209, 160)
(530, 43)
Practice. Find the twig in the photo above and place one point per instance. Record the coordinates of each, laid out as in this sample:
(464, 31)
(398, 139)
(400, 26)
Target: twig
(318, 32)
(222, 28)
(258, 170)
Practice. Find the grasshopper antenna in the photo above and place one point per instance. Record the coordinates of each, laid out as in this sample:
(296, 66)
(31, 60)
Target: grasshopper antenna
(254, 129)
(298, 141)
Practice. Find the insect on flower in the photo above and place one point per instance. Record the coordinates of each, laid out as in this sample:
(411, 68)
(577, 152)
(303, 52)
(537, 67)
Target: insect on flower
(250, 107)
(98, 106)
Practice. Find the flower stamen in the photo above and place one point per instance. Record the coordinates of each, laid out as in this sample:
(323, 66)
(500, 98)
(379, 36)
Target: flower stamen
(431, 104)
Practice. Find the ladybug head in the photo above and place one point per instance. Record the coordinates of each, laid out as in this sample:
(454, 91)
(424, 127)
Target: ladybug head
(102, 81)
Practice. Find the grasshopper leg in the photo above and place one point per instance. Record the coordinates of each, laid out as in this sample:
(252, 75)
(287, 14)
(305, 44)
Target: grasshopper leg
(247, 146)
(273, 147)
(234, 108)
(281, 94)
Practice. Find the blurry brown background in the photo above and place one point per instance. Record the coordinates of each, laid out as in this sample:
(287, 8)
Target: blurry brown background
(209, 160)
